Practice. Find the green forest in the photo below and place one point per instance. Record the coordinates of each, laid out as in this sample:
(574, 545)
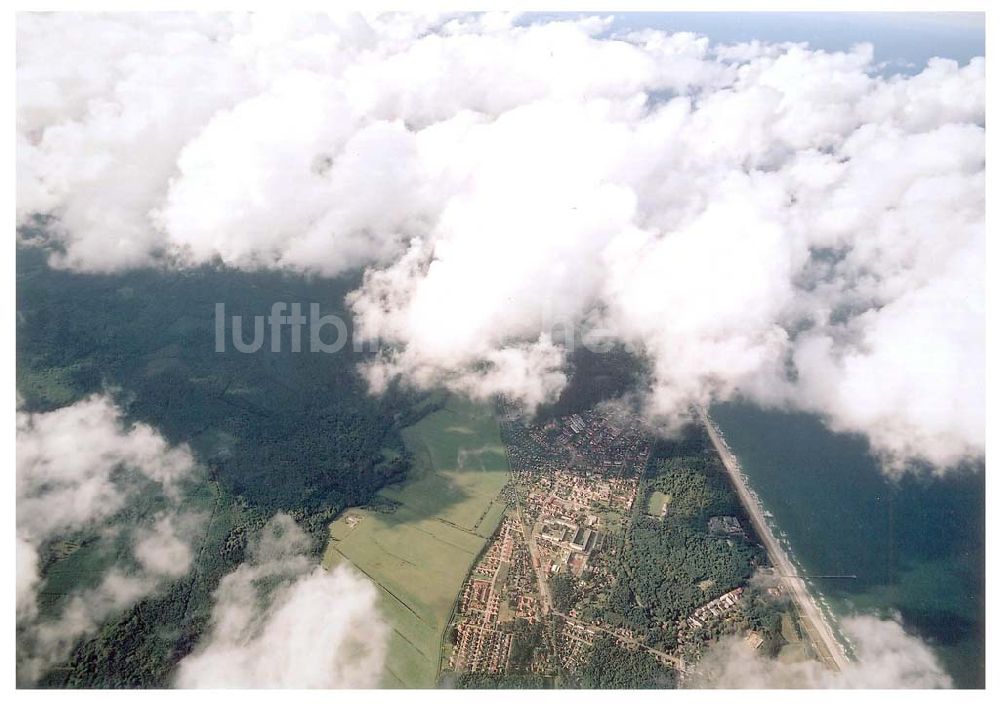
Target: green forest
(285, 429)
(612, 667)
(271, 430)
(669, 566)
(299, 432)
(595, 377)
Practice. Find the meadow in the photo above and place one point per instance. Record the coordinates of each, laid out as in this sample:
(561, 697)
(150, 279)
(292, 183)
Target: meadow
(657, 504)
(420, 552)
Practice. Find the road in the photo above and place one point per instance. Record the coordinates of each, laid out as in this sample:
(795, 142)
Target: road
(677, 662)
(546, 597)
(536, 562)
(820, 633)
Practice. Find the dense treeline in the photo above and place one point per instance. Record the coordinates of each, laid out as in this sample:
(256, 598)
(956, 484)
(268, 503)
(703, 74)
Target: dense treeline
(528, 638)
(283, 429)
(697, 488)
(485, 680)
(669, 569)
(671, 565)
(273, 431)
(764, 615)
(140, 647)
(613, 667)
(563, 592)
(595, 377)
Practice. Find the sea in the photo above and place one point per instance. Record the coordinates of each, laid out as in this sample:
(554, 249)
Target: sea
(911, 548)
(916, 545)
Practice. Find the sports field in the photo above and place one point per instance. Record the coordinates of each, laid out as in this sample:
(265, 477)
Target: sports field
(657, 504)
(420, 553)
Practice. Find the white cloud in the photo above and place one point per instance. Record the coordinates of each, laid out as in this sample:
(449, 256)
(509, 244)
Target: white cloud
(165, 549)
(66, 460)
(100, 123)
(77, 467)
(281, 621)
(886, 657)
(732, 212)
(26, 556)
(48, 641)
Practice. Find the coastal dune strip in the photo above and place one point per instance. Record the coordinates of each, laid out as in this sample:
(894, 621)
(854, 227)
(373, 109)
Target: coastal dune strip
(821, 635)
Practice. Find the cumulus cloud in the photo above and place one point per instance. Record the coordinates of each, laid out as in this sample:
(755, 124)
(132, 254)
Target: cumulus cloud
(164, 549)
(886, 657)
(281, 621)
(26, 556)
(77, 469)
(763, 220)
(66, 462)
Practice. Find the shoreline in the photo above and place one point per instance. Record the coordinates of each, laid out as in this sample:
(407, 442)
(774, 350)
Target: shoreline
(818, 629)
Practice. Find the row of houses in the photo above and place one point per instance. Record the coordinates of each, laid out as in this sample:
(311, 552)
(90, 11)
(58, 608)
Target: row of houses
(716, 607)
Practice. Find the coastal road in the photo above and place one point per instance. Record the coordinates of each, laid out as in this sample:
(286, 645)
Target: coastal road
(816, 625)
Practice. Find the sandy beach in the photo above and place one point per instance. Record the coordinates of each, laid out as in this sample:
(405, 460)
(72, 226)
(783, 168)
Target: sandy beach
(821, 635)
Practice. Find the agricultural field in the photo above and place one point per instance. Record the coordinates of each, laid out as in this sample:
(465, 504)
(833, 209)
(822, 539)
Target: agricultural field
(420, 552)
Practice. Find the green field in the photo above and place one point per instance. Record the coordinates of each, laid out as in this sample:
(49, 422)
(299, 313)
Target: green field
(82, 561)
(658, 501)
(53, 386)
(795, 650)
(420, 553)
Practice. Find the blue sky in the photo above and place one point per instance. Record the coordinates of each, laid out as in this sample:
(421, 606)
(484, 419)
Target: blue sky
(900, 38)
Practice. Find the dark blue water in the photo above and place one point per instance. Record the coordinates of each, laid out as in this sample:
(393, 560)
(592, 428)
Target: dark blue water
(916, 544)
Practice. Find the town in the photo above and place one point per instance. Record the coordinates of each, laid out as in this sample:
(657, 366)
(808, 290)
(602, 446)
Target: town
(533, 602)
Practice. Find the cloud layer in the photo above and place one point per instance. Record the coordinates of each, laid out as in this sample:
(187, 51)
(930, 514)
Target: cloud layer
(281, 621)
(886, 657)
(278, 620)
(78, 467)
(756, 219)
